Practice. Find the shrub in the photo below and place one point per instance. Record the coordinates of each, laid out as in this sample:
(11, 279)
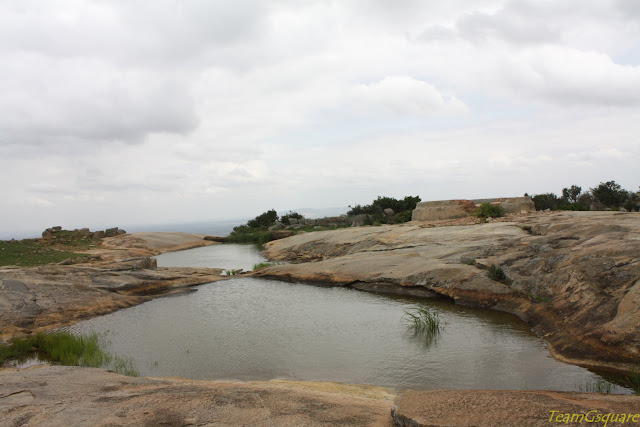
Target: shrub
(402, 208)
(248, 235)
(285, 218)
(264, 220)
(546, 201)
(496, 273)
(487, 210)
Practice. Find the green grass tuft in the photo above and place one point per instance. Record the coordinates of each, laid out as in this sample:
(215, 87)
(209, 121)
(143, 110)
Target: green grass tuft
(421, 320)
(599, 386)
(30, 252)
(66, 349)
(265, 265)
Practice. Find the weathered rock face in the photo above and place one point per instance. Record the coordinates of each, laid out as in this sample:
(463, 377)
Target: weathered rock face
(71, 396)
(449, 209)
(442, 209)
(575, 276)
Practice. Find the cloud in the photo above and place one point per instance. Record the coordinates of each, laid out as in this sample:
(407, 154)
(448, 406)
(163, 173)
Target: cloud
(405, 95)
(568, 76)
(131, 33)
(38, 201)
(210, 109)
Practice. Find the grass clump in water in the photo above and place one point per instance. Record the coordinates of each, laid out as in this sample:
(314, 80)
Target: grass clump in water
(600, 386)
(232, 272)
(67, 349)
(421, 320)
(265, 265)
(124, 366)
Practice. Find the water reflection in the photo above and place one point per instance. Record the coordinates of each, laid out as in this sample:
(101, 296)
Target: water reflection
(227, 256)
(255, 329)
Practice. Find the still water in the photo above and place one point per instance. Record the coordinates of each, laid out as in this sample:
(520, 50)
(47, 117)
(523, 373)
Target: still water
(257, 329)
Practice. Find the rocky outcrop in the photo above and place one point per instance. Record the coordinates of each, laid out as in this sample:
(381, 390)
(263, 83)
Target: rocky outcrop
(449, 209)
(148, 243)
(574, 276)
(57, 231)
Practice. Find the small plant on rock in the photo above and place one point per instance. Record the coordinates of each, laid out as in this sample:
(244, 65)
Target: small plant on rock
(496, 273)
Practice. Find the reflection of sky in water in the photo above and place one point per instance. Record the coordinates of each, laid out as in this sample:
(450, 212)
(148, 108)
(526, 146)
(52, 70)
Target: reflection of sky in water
(225, 256)
(255, 329)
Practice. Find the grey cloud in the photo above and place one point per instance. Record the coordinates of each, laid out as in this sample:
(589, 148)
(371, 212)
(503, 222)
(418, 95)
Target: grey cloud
(518, 21)
(132, 32)
(522, 22)
(80, 102)
(629, 8)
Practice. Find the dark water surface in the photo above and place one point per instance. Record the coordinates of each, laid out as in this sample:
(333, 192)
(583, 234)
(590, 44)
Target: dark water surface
(256, 329)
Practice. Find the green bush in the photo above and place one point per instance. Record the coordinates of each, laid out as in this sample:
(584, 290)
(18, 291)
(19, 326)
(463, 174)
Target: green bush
(285, 218)
(546, 201)
(264, 220)
(496, 273)
(402, 209)
(244, 234)
(487, 210)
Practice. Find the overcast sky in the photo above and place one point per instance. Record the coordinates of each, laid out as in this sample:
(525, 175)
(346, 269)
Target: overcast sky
(131, 112)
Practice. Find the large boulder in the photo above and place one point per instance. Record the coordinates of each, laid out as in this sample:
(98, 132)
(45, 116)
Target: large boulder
(450, 209)
(111, 232)
(516, 204)
(442, 209)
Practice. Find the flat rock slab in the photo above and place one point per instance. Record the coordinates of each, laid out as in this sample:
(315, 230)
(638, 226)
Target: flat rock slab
(71, 396)
(64, 396)
(148, 243)
(510, 408)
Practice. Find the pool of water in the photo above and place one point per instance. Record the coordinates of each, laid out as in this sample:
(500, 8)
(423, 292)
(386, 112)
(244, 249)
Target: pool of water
(228, 257)
(257, 329)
